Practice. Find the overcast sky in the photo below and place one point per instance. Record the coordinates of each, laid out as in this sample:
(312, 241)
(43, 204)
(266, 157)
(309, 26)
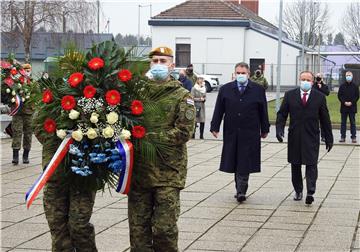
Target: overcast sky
(123, 14)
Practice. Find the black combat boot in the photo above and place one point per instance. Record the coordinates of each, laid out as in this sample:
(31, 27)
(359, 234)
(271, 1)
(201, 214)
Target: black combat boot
(202, 126)
(15, 160)
(26, 156)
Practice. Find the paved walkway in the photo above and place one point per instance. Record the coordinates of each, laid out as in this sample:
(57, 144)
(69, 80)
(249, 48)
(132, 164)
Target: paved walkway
(211, 219)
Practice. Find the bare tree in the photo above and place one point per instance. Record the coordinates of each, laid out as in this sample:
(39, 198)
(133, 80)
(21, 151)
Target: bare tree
(23, 17)
(351, 28)
(306, 19)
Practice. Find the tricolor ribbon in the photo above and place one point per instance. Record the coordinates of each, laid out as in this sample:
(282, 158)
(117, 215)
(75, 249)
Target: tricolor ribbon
(127, 155)
(18, 105)
(50, 169)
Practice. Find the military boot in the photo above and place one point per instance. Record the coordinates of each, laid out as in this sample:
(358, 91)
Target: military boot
(15, 160)
(26, 156)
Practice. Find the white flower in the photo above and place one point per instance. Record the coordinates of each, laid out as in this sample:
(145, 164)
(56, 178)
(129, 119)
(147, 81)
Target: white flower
(13, 92)
(112, 117)
(27, 97)
(94, 118)
(8, 90)
(19, 85)
(125, 134)
(77, 135)
(13, 100)
(108, 132)
(73, 115)
(91, 133)
(23, 99)
(21, 91)
(61, 133)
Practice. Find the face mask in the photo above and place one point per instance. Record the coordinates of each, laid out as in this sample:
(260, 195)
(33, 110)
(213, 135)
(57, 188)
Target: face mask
(318, 78)
(349, 78)
(181, 77)
(241, 78)
(189, 71)
(159, 72)
(305, 85)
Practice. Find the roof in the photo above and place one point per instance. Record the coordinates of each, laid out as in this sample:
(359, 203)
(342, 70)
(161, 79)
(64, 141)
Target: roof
(210, 10)
(48, 44)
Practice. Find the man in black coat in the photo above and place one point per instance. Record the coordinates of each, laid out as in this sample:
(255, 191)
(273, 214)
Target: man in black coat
(185, 81)
(307, 108)
(242, 104)
(348, 96)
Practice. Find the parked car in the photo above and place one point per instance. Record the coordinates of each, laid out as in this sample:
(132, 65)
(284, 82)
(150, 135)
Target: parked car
(211, 81)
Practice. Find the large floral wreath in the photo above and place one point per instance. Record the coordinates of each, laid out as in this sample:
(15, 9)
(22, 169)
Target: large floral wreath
(86, 103)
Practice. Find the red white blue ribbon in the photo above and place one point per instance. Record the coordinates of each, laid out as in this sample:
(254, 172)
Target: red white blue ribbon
(126, 150)
(18, 105)
(50, 169)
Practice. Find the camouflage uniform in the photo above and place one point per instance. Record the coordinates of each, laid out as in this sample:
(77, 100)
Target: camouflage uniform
(21, 126)
(260, 80)
(154, 198)
(192, 77)
(67, 210)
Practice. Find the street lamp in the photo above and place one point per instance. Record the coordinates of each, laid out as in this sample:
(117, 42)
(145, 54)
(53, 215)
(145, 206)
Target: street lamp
(139, 7)
(319, 22)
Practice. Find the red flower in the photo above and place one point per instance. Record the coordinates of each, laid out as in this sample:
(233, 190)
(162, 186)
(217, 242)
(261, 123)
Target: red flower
(5, 64)
(47, 96)
(75, 79)
(138, 131)
(49, 125)
(8, 81)
(136, 107)
(13, 71)
(113, 97)
(95, 64)
(22, 71)
(89, 91)
(22, 79)
(124, 75)
(68, 102)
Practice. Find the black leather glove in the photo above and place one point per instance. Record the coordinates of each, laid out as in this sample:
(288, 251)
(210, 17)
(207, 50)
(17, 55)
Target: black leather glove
(329, 146)
(279, 136)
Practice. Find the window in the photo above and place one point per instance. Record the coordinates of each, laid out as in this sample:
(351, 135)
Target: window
(183, 55)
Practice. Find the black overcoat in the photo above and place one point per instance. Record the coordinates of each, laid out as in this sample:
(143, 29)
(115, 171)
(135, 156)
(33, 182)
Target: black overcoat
(245, 118)
(303, 135)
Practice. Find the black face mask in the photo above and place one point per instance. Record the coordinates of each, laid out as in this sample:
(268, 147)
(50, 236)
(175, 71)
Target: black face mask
(258, 73)
(190, 71)
(318, 78)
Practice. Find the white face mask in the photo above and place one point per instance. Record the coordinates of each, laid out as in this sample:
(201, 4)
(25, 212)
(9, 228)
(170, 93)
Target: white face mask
(241, 78)
(305, 85)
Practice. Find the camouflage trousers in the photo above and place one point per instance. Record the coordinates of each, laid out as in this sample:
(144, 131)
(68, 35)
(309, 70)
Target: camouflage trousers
(68, 213)
(153, 214)
(21, 126)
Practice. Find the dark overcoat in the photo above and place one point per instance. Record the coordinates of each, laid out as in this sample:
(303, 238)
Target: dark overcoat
(305, 120)
(245, 118)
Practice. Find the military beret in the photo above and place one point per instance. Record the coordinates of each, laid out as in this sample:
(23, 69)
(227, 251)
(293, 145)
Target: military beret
(26, 66)
(161, 51)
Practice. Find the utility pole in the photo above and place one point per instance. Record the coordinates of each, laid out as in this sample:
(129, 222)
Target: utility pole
(319, 39)
(98, 16)
(139, 6)
(278, 79)
(303, 6)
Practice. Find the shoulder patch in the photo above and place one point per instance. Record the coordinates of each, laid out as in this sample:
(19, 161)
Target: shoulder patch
(190, 114)
(190, 101)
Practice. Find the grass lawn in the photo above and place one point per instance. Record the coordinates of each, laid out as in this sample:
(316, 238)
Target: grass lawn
(333, 106)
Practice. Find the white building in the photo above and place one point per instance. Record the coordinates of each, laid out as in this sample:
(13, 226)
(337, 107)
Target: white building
(214, 35)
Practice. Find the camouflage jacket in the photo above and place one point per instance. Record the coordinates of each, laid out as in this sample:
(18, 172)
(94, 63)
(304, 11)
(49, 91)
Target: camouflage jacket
(260, 80)
(192, 77)
(170, 126)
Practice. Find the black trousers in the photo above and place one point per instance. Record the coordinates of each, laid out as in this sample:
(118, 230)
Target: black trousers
(241, 183)
(311, 174)
(344, 117)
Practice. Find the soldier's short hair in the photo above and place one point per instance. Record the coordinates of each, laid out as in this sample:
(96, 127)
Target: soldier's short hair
(242, 64)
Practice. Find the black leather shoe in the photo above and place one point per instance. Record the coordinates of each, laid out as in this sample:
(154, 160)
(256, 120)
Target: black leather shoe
(298, 196)
(309, 200)
(240, 197)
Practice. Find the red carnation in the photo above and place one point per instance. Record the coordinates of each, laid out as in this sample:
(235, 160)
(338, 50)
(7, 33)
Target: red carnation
(113, 97)
(8, 81)
(68, 102)
(75, 79)
(89, 91)
(22, 79)
(136, 107)
(95, 64)
(49, 125)
(47, 96)
(5, 64)
(13, 71)
(124, 75)
(22, 71)
(138, 131)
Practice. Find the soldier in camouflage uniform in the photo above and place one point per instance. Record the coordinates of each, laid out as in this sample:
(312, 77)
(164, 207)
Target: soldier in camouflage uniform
(21, 126)
(154, 198)
(259, 78)
(67, 210)
(190, 74)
